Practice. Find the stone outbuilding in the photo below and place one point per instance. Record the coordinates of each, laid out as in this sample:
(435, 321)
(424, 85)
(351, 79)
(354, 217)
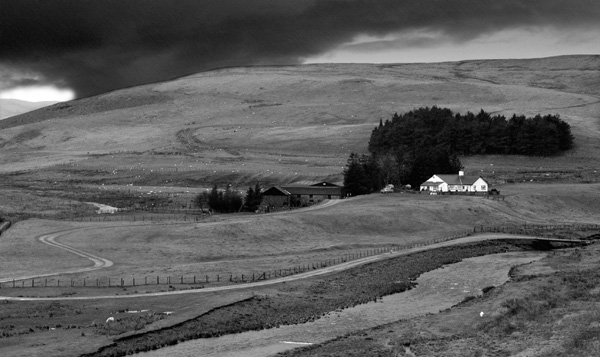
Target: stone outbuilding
(301, 195)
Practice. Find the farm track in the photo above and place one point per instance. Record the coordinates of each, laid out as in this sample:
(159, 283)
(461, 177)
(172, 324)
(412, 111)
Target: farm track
(50, 239)
(309, 274)
(100, 263)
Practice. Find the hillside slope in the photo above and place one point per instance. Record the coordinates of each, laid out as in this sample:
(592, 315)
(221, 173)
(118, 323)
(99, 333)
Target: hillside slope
(12, 107)
(297, 118)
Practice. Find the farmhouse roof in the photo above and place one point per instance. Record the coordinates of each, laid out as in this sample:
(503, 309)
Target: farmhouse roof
(459, 180)
(431, 183)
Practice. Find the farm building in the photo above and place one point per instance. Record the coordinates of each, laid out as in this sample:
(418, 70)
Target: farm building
(455, 184)
(301, 195)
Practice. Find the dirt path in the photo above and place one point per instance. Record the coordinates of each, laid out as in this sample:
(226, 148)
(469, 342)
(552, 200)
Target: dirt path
(50, 239)
(100, 263)
(331, 269)
(435, 291)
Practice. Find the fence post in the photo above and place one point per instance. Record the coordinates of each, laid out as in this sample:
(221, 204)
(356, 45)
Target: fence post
(218, 277)
(207, 279)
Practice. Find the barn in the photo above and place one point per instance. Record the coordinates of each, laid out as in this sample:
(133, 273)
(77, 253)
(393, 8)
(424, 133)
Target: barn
(455, 184)
(301, 195)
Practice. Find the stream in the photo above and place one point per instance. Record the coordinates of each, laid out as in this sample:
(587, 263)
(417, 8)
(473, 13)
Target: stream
(437, 290)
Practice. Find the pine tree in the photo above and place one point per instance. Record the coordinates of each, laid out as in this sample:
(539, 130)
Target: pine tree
(355, 177)
(253, 198)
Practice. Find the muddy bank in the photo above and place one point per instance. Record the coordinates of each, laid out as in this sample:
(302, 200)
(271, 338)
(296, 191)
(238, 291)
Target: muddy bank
(307, 300)
(435, 291)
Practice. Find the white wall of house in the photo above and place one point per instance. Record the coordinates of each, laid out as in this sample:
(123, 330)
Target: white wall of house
(480, 186)
(443, 187)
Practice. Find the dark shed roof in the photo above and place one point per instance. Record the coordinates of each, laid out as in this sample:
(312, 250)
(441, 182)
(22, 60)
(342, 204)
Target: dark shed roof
(275, 191)
(325, 184)
(313, 190)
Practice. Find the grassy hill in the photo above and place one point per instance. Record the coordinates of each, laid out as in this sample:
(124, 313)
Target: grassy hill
(288, 121)
(12, 107)
(273, 124)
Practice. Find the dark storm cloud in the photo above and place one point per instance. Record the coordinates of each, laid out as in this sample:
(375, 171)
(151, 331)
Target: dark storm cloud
(98, 45)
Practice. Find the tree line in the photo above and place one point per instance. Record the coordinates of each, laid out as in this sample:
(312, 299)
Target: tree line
(412, 147)
(472, 134)
(228, 200)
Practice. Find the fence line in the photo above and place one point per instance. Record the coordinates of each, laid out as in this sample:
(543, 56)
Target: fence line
(199, 280)
(149, 217)
(151, 169)
(529, 227)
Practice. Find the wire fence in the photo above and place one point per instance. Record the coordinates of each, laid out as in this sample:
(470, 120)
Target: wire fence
(143, 217)
(529, 228)
(115, 169)
(201, 280)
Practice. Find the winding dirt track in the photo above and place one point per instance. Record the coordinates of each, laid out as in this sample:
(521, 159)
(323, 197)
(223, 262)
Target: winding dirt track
(99, 263)
(50, 239)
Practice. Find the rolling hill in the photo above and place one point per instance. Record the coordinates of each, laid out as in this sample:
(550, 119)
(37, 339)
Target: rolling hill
(278, 123)
(300, 119)
(12, 107)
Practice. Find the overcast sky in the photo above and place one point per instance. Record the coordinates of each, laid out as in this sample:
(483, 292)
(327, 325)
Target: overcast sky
(86, 47)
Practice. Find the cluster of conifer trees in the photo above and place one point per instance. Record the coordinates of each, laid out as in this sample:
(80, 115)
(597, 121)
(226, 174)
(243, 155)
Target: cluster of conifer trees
(228, 200)
(416, 145)
(472, 134)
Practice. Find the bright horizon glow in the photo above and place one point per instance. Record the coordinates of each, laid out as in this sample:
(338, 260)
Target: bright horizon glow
(424, 47)
(39, 94)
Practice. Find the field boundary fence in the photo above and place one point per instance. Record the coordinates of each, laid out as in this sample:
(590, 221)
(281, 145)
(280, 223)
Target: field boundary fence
(146, 216)
(198, 281)
(204, 170)
(528, 228)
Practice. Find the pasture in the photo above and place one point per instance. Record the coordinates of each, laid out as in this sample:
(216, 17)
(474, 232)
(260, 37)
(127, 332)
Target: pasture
(162, 143)
(255, 243)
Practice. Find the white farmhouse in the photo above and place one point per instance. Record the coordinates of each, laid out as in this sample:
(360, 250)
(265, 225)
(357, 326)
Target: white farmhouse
(455, 183)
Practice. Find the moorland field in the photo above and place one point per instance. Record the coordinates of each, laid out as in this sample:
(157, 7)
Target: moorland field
(156, 146)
